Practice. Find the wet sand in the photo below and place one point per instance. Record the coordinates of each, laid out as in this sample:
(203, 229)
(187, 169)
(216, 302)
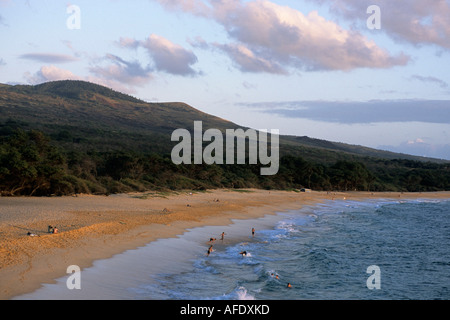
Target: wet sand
(98, 227)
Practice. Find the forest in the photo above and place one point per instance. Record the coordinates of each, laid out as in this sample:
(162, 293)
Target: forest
(32, 164)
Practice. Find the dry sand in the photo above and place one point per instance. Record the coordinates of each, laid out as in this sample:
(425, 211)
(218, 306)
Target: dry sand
(98, 227)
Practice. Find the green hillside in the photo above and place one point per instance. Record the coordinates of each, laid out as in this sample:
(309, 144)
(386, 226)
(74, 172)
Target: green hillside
(72, 136)
(96, 117)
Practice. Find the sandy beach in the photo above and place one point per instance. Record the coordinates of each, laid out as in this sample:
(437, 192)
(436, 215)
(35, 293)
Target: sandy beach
(98, 227)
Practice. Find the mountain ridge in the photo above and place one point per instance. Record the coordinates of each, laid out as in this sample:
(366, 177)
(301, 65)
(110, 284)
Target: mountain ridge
(71, 99)
(67, 137)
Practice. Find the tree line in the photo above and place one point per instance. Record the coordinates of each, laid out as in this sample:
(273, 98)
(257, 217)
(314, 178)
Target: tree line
(31, 165)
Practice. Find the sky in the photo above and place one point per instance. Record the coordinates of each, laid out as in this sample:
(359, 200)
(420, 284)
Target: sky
(367, 72)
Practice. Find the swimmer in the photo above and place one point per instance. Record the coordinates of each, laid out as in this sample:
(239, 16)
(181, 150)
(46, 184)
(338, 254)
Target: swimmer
(212, 239)
(210, 249)
(289, 285)
(222, 235)
(253, 232)
(244, 253)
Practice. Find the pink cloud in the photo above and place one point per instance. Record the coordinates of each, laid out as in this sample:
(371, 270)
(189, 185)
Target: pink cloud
(248, 61)
(283, 36)
(50, 73)
(418, 22)
(309, 41)
(166, 55)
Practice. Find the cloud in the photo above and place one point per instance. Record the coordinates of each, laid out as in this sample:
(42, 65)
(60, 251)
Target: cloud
(270, 37)
(248, 61)
(417, 22)
(48, 57)
(430, 79)
(129, 43)
(115, 78)
(50, 73)
(122, 71)
(421, 147)
(375, 111)
(197, 7)
(166, 55)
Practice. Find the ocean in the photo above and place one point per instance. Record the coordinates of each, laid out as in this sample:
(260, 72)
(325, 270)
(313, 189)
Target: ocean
(337, 250)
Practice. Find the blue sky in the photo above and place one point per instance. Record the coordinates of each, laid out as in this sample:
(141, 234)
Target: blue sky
(305, 67)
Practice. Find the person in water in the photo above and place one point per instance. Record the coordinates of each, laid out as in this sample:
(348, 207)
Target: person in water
(243, 253)
(210, 249)
(253, 232)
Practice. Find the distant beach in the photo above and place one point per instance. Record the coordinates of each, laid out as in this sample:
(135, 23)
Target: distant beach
(98, 227)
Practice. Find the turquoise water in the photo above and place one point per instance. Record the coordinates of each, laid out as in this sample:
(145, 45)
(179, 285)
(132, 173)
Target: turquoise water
(324, 252)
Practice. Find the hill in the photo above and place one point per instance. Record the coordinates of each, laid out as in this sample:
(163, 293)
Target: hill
(94, 116)
(73, 136)
(78, 111)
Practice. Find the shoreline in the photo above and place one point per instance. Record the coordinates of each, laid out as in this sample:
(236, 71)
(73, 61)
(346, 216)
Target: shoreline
(125, 276)
(99, 227)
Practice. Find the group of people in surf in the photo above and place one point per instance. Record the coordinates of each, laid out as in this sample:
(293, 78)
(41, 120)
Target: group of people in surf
(211, 241)
(243, 253)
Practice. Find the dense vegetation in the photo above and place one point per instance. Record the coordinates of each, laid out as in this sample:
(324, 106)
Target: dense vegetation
(31, 165)
(73, 137)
